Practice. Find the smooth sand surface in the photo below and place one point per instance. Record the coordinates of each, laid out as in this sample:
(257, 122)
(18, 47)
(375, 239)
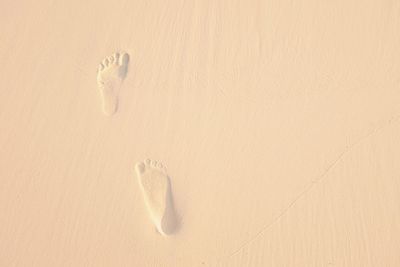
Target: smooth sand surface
(279, 122)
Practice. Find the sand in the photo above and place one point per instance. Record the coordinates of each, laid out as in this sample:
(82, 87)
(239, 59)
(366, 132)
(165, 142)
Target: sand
(278, 121)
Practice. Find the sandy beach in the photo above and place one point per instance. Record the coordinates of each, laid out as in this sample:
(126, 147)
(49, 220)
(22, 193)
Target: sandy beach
(272, 130)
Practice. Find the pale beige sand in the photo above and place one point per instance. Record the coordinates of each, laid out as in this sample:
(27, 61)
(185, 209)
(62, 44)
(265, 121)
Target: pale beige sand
(279, 122)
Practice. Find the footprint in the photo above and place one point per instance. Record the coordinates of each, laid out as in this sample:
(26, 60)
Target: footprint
(156, 189)
(110, 75)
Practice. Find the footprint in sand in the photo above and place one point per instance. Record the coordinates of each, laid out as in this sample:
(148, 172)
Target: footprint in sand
(110, 75)
(156, 189)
